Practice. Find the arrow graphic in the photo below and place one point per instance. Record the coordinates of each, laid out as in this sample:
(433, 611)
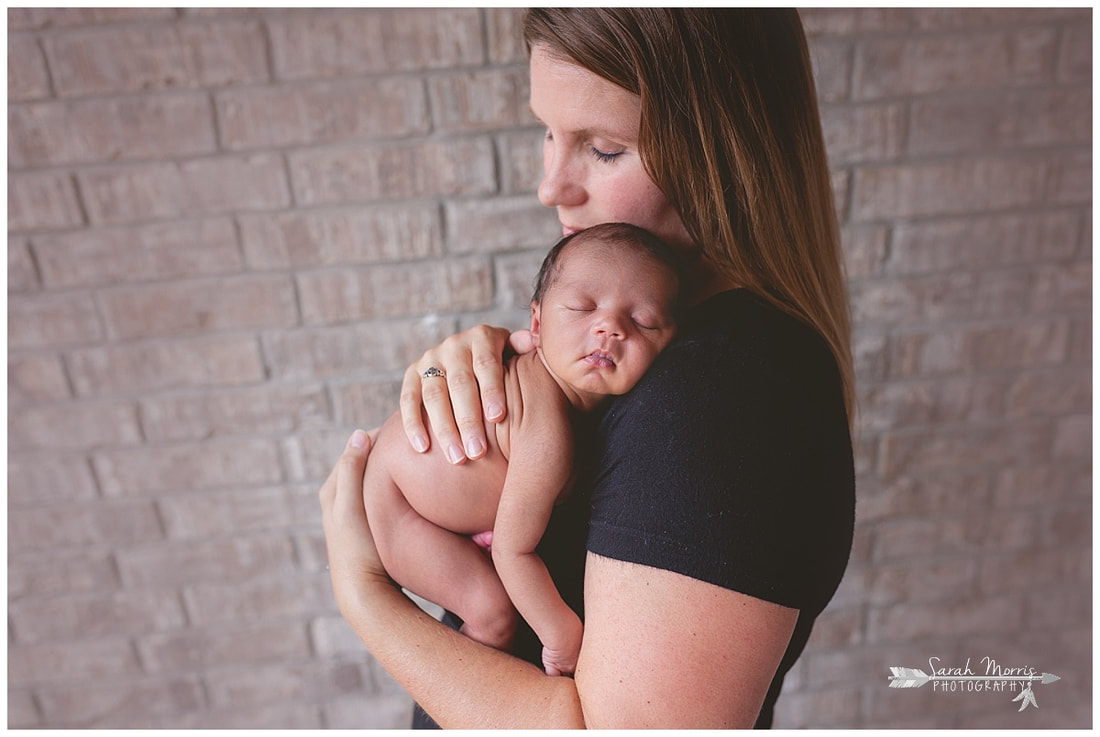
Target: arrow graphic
(908, 678)
(915, 678)
(1028, 696)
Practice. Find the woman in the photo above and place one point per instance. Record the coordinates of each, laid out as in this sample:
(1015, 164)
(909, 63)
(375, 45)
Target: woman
(713, 513)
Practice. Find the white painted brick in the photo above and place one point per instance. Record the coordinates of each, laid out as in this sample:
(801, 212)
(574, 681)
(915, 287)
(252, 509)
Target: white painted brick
(202, 361)
(110, 657)
(500, 224)
(391, 107)
(199, 416)
(104, 130)
(94, 615)
(157, 191)
(463, 166)
(137, 254)
(27, 75)
(74, 425)
(341, 351)
(89, 525)
(394, 290)
(46, 573)
(199, 307)
(107, 705)
(344, 236)
(45, 319)
(376, 40)
(281, 596)
(36, 378)
(158, 56)
(46, 478)
(243, 511)
(199, 649)
(42, 201)
(151, 470)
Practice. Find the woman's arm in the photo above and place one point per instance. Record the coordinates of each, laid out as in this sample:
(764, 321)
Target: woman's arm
(472, 391)
(660, 649)
(664, 650)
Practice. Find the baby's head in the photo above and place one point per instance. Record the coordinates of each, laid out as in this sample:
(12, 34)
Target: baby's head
(604, 307)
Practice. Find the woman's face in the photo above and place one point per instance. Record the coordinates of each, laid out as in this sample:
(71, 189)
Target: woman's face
(593, 172)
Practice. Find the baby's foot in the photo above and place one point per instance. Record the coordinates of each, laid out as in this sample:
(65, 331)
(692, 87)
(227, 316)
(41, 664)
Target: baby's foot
(484, 540)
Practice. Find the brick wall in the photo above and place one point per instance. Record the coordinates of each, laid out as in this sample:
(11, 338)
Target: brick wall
(229, 231)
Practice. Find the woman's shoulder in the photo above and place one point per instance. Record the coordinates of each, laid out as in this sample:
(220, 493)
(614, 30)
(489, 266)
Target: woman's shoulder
(740, 333)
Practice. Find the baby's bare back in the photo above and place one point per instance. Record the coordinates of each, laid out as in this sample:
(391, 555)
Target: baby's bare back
(462, 498)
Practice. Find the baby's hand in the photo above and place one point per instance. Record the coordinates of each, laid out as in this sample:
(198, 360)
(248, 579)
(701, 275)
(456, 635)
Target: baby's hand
(562, 661)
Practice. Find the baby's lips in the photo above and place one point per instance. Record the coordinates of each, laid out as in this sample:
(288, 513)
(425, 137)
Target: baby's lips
(600, 359)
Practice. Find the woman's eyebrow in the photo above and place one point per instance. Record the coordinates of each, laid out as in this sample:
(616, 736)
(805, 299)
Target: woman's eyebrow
(618, 136)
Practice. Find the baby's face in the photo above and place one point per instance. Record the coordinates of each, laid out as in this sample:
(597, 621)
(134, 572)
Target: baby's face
(605, 317)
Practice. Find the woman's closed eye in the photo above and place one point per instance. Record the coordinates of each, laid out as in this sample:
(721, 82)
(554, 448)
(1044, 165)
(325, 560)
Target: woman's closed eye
(600, 152)
(604, 156)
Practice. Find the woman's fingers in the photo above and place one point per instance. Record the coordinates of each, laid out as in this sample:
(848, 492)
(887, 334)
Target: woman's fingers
(477, 390)
(341, 495)
(352, 555)
(412, 415)
(487, 350)
(349, 474)
(439, 394)
(489, 370)
(455, 387)
(429, 396)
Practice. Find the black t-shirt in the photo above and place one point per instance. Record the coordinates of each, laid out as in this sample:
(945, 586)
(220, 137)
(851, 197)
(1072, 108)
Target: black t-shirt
(730, 462)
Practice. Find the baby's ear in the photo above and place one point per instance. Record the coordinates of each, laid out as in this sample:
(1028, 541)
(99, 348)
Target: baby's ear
(536, 322)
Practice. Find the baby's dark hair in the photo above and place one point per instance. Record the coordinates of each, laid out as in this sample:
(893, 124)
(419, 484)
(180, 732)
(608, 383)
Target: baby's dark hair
(616, 233)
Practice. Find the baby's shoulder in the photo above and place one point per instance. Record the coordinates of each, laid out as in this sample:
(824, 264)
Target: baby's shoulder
(519, 374)
(531, 390)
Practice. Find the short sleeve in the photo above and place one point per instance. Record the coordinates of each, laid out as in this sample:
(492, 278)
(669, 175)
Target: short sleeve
(731, 463)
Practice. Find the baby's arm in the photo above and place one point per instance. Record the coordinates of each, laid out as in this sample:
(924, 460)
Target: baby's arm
(538, 469)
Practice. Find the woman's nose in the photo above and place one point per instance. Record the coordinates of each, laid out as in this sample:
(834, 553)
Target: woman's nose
(561, 185)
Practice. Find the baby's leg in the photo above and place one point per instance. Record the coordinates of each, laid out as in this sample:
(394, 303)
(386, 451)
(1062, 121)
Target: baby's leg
(442, 566)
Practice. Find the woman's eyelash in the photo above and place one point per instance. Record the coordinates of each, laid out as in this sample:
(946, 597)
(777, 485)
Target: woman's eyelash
(601, 156)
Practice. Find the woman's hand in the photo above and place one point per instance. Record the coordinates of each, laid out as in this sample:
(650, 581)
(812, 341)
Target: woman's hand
(471, 391)
(352, 556)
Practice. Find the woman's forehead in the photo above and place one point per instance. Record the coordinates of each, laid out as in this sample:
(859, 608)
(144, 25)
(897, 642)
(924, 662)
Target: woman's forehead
(573, 98)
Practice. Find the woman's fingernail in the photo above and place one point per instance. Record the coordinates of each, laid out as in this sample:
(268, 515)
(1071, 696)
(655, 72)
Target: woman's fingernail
(420, 444)
(474, 448)
(358, 440)
(493, 411)
(455, 454)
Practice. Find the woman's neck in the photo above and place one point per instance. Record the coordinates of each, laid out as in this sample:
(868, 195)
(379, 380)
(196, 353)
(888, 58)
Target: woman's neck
(707, 281)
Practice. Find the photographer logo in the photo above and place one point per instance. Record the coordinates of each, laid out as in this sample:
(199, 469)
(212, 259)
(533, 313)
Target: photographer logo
(993, 677)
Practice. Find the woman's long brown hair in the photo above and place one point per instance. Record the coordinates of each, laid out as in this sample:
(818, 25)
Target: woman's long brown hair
(731, 134)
